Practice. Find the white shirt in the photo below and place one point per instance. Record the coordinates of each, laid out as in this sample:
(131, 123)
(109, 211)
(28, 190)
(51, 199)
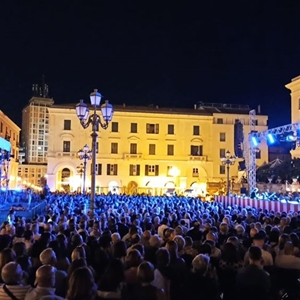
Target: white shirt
(160, 230)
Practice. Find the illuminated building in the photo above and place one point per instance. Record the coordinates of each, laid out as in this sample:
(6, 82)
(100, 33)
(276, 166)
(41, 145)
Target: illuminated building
(11, 132)
(149, 149)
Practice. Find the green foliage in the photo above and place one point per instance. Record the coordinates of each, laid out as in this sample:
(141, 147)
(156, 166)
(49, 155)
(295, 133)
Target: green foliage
(286, 171)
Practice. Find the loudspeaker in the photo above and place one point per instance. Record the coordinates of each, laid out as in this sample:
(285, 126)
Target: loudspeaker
(238, 139)
(243, 190)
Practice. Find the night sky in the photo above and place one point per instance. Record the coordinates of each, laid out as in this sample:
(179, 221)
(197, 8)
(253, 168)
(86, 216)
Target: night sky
(166, 53)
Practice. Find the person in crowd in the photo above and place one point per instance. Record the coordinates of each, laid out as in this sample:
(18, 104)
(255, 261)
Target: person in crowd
(253, 282)
(82, 285)
(48, 257)
(12, 288)
(44, 283)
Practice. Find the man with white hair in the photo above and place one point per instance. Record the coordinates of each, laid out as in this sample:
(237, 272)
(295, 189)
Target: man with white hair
(12, 288)
(48, 257)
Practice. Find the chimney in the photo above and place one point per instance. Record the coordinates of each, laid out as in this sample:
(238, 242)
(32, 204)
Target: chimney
(124, 104)
(156, 107)
(195, 106)
(258, 109)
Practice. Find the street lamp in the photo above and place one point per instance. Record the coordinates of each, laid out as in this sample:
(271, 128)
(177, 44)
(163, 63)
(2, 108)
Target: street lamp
(94, 119)
(228, 161)
(80, 171)
(84, 154)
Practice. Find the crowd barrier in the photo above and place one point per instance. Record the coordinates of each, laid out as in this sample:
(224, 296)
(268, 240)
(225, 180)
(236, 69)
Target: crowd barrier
(264, 204)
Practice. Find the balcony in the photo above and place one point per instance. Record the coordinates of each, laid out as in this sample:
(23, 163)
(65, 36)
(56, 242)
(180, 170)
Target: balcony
(133, 156)
(62, 154)
(202, 158)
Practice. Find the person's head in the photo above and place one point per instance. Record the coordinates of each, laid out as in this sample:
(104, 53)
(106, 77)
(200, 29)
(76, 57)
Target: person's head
(140, 248)
(180, 242)
(253, 232)
(230, 253)
(188, 242)
(223, 228)
(258, 240)
(112, 277)
(115, 237)
(119, 249)
(78, 253)
(12, 273)
(77, 263)
(240, 230)
(169, 234)
(200, 264)
(172, 247)
(48, 257)
(162, 257)
(145, 272)
(7, 255)
(146, 235)
(134, 258)
(179, 230)
(105, 242)
(45, 276)
(289, 248)
(255, 255)
(155, 241)
(81, 285)
(19, 248)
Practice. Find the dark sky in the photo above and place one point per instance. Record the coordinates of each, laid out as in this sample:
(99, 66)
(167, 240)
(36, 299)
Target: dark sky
(168, 53)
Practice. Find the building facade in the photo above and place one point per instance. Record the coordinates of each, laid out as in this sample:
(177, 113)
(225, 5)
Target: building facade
(10, 132)
(148, 149)
(294, 87)
(34, 137)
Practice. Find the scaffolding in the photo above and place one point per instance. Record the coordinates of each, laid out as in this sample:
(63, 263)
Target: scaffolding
(250, 149)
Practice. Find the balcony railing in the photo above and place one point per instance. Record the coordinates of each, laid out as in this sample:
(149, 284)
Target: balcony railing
(198, 157)
(133, 156)
(61, 154)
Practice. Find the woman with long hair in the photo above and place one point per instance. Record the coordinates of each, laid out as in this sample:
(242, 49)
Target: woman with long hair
(82, 285)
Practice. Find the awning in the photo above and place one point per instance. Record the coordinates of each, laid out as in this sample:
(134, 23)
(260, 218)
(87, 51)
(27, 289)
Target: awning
(4, 144)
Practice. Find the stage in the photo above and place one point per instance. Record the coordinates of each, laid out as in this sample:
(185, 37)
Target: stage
(270, 205)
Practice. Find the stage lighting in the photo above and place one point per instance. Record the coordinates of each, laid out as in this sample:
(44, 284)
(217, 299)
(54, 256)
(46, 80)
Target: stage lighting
(271, 138)
(292, 137)
(254, 141)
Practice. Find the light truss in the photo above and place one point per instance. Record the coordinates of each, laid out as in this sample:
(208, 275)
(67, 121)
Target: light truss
(251, 149)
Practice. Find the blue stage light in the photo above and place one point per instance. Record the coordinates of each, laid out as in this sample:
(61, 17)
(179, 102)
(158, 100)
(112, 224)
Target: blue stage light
(271, 138)
(254, 141)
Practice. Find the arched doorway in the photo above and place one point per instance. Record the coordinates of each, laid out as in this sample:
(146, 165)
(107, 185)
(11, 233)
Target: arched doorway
(65, 179)
(113, 187)
(132, 188)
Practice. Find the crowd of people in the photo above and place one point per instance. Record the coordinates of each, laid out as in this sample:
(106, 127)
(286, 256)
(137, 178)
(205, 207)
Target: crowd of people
(149, 247)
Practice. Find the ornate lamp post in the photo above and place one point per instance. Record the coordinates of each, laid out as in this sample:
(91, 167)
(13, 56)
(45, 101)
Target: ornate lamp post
(94, 120)
(84, 154)
(228, 161)
(80, 171)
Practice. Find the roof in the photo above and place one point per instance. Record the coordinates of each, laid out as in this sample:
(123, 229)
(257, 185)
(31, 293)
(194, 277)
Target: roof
(203, 110)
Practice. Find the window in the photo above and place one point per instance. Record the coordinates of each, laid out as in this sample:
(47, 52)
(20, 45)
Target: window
(114, 127)
(196, 150)
(67, 124)
(222, 137)
(196, 130)
(133, 148)
(222, 152)
(133, 127)
(258, 154)
(222, 169)
(66, 146)
(114, 148)
(170, 129)
(170, 149)
(134, 170)
(195, 172)
(98, 169)
(112, 169)
(151, 170)
(219, 121)
(152, 128)
(168, 170)
(152, 149)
